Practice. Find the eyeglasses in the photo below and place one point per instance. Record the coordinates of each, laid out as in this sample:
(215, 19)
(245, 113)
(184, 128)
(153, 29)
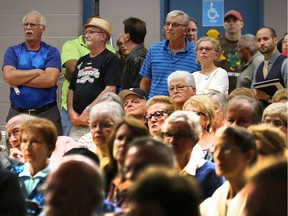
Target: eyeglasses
(169, 135)
(90, 32)
(32, 25)
(157, 115)
(173, 24)
(199, 113)
(102, 125)
(207, 49)
(179, 88)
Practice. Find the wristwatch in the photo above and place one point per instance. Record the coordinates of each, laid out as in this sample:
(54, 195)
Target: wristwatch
(88, 108)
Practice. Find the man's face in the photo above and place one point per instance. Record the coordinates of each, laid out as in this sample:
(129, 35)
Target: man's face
(192, 32)
(242, 52)
(180, 92)
(175, 30)
(93, 36)
(134, 106)
(32, 28)
(232, 25)
(265, 42)
(239, 115)
(13, 132)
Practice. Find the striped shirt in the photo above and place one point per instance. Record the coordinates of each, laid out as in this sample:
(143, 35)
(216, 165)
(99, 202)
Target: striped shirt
(160, 62)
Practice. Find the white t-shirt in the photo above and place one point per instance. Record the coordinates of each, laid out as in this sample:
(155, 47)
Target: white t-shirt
(217, 80)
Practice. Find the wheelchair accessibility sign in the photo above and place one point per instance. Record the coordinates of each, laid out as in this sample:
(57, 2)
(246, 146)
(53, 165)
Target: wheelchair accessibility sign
(213, 14)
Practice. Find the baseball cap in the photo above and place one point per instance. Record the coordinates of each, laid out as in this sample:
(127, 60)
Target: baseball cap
(100, 23)
(133, 91)
(233, 13)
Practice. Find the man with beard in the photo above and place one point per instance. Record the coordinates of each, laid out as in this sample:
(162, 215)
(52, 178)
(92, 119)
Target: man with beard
(174, 53)
(95, 74)
(276, 64)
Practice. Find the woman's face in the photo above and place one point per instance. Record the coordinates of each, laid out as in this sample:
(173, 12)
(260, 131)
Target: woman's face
(230, 161)
(156, 115)
(122, 138)
(276, 121)
(203, 119)
(219, 113)
(206, 53)
(34, 148)
(101, 127)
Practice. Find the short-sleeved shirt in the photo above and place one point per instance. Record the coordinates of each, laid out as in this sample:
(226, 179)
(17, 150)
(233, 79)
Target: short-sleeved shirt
(160, 62)
(73, 49)
(21, 58)
(91, 77)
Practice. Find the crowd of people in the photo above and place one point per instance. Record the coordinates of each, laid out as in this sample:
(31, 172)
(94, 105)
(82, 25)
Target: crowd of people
(190, 126)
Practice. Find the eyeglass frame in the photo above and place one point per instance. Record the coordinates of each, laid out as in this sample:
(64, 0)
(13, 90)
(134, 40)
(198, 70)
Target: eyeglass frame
(179, 88)
(206, 48)
(174, 25)
(91, 32)
(148, 118)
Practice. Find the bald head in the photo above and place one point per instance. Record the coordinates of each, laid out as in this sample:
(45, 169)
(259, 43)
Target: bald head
(75, 187)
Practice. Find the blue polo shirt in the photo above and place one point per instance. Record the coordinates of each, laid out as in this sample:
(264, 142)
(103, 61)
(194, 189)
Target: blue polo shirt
(160, 62)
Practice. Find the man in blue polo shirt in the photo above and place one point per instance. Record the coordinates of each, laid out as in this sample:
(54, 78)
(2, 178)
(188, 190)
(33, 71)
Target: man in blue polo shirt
(32, 69)
(165, 57)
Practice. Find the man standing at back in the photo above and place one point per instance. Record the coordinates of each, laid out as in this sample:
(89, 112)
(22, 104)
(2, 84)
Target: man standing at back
(277, 64)
(32, 69)
(233, 24)
(95, 74)
(134, 35)
(167, 56)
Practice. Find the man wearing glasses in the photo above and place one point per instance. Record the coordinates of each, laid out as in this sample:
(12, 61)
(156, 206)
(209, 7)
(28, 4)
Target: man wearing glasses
(174, 53)
(32, 69)
(95, 74)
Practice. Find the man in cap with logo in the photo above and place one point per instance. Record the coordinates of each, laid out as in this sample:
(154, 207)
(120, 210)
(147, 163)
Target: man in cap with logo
(233, 24)
(95, 74)
(134, 100)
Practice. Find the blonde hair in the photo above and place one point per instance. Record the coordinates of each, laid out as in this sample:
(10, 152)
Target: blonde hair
(216, 46)
(170, 104)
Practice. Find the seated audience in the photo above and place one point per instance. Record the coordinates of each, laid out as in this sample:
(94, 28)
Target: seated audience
(164, 192)
(102, 119)
(158, 109)
(281, 95)
(134, 100)
(37, 142)
(181, 86)
(124, 132)
(235, 151)
(242, 91)
(182, 131)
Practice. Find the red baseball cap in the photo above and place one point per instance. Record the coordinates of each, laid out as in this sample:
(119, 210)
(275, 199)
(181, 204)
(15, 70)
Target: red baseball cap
(233, 13)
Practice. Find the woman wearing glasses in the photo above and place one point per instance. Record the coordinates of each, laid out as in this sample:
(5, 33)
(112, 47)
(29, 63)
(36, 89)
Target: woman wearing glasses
(211, 77)
(158, 109)
(102, 119)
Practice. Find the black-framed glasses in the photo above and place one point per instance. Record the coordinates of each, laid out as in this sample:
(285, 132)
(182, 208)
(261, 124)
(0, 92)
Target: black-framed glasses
(173, 24)
(102, 125)
(157, 115)
(207, 49)
(32, 25)
(91, 32)
(179, 88)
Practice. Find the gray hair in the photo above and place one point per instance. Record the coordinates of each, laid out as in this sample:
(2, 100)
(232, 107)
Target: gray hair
(186, 116)
(248, 41)
(110, 96)
(175, 13)
(112, 108)
(37, 14)
(279, 109)
(182, 75)
(220, 98)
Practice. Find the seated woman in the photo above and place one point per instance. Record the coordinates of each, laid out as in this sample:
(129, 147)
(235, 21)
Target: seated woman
(271, 142)
(235, 151)
(211, 77)
(124, 132)
(37, 141)
(158, 109)
(102, 119)
(203, 107)
(277, 115)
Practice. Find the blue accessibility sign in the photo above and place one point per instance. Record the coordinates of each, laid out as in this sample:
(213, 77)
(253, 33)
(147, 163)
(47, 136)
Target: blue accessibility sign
(213, 13)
